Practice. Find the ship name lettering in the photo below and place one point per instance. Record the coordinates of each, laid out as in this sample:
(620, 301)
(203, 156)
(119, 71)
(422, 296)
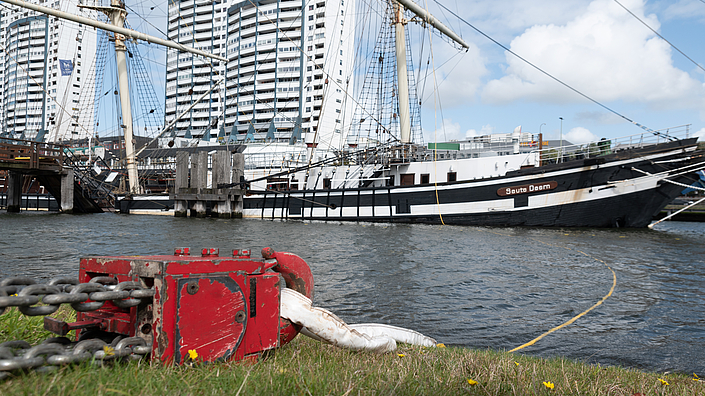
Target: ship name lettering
(527, 188)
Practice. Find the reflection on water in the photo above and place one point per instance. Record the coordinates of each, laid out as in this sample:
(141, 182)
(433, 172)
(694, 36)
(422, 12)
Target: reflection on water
(478, 287)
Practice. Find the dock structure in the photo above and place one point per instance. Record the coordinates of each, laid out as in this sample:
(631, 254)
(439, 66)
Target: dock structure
(45, 161)
(191, 191)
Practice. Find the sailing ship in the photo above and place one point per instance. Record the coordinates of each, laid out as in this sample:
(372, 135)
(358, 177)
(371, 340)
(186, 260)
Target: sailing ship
(498, 180)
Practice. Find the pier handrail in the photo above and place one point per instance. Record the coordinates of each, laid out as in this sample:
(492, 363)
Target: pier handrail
(30, 152)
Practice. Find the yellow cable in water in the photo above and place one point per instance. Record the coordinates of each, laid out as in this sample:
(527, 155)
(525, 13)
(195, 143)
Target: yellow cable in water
(435, 119)
(614, 283)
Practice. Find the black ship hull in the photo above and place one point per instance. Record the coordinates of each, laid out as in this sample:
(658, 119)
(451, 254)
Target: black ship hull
(625, 189)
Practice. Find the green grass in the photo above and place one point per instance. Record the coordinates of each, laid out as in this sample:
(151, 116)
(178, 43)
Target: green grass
(306, 367)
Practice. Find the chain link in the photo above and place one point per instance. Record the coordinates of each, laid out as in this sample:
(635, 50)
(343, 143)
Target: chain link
(46, 357)
(25, 294)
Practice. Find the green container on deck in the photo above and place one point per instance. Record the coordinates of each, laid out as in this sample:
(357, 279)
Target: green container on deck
(444, 146)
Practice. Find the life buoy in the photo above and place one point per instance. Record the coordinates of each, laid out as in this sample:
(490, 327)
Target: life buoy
(297, 276)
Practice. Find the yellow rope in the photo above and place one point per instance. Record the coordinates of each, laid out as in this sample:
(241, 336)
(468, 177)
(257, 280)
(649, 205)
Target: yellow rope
(614, 283)
(435, 121)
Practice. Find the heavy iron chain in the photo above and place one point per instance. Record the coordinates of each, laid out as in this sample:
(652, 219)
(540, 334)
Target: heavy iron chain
(24, 293)
(69, 291)
(46, 357)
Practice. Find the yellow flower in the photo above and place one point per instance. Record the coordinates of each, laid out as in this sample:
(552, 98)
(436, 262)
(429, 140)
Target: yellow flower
(663, 382)
(192, 354)
(695, 377)
(517, 363)
(109, 351)
(400, 354)
(440, 345)
(472, 382)
(548, 385)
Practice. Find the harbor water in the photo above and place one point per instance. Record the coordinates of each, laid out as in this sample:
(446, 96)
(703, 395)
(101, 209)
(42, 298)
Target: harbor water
(476, 287)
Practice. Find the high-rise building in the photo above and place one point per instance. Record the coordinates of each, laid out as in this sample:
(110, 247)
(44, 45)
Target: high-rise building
(199, 24)
(43, 68)
(288, 68)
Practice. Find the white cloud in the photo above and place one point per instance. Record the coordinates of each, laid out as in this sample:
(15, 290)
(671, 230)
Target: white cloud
(451, 131)
(485, 130)
(685, 9)
(605, 53)
(458, 79)
(700, 135)
(580, 135)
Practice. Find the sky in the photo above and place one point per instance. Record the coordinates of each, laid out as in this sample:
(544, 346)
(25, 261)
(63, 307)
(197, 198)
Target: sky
(596, 47)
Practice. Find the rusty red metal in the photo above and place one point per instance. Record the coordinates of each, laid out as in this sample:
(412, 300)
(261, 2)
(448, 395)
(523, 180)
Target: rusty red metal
(62, 328)
(297, 275)
(221, 307)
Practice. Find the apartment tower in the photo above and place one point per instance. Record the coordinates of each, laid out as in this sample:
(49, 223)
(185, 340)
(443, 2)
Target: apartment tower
(287, 72)
(43, 68)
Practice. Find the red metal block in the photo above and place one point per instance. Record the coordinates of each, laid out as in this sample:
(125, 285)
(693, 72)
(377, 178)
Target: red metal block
(220, 307)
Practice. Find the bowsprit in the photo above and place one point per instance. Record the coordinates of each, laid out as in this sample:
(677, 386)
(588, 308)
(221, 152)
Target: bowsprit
(218, 307)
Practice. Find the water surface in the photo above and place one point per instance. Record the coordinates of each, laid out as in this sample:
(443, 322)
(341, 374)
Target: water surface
(477, 287)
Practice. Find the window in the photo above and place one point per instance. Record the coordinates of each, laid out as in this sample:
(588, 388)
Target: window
(407, 179)
(425, 178)
(452, 176)
(326, 183)
(390, 181)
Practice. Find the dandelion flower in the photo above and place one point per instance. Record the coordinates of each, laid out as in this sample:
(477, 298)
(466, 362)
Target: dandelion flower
(192, 354)
(109, 351)
(695, 377)
(472, 382)
(663, 382)
(440, 345)
(517, 363)
(548, 384)
(400, 354)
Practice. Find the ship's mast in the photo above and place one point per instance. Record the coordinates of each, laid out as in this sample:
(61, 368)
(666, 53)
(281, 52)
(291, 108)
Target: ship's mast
(402, 77)
(400, 46)
(116, 12)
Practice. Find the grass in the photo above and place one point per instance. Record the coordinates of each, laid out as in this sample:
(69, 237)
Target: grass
(306, 367)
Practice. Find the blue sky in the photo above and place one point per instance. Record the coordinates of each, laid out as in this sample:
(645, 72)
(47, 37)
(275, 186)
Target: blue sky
(595, 46)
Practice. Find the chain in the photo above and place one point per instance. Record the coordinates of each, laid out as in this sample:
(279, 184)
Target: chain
(25, 294)
(16, 356)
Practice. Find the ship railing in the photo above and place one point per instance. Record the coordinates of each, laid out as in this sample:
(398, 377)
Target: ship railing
(606, 146)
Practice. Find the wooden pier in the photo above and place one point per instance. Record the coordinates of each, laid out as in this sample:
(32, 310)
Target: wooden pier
(45, 161)
(191, 190)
